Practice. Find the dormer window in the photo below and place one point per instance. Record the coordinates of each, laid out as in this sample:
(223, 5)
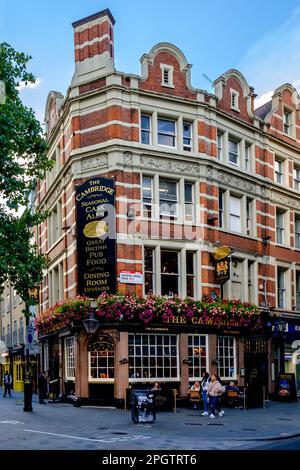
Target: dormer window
(167, 75)
(287, 122)
(234, 100)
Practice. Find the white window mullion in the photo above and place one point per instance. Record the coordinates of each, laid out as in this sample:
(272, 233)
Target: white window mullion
(179, 133)
(154, 127)
(157, 272)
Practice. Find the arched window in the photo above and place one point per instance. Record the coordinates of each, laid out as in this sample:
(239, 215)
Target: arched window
(101, 359)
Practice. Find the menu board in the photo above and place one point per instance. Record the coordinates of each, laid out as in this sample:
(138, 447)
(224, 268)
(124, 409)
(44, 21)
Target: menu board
(96, 237)
(286, 387)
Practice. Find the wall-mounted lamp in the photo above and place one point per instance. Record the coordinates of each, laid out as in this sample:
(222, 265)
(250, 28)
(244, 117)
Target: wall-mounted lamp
(186, 360)
(124, 360)
(265, 239)
(91, 324)
(211, 218)
(214, 362)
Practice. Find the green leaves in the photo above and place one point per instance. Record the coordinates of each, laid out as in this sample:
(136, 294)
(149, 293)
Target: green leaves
(23, 160)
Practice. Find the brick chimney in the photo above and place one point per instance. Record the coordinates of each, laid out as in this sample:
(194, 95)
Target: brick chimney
(93, 41)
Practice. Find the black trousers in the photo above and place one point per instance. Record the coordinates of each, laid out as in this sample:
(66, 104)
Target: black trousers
(42, 395)
(7, 389)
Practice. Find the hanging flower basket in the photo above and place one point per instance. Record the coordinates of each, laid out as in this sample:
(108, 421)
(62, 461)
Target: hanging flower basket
(153, 309)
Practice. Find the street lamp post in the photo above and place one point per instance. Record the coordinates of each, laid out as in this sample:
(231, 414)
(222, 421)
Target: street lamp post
(27, 379)
(280, 326)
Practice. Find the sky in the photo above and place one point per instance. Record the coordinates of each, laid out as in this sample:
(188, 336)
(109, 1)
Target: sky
(261, 38)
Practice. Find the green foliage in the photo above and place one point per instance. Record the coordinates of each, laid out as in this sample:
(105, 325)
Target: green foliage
(23, 159)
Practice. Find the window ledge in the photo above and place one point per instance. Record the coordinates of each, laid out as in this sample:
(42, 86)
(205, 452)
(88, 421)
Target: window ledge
(282, 245)
(167, 85)
(239, 234)
(55, 243)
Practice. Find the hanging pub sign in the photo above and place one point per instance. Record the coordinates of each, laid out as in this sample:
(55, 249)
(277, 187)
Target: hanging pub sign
(222, 264)
(96, 237)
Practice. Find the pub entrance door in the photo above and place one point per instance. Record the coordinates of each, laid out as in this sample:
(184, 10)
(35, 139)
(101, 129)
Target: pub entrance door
(256, 371)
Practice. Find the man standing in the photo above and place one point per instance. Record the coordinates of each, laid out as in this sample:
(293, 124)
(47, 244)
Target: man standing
(42, 384)
(7, 380)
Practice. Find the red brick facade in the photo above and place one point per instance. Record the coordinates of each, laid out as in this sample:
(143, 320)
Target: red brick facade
(98, 133)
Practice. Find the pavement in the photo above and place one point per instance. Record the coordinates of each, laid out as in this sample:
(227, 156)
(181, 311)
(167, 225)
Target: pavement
(61, 426)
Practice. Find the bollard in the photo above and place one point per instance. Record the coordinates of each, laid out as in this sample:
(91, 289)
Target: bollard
(264, 397)
(174, 394)
(244, 399)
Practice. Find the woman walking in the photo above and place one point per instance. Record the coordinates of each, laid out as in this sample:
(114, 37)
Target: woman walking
(215, 390)
(204, 385)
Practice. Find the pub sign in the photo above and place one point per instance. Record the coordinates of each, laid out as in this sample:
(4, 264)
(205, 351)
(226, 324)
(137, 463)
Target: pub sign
(96, 237)
(222, 264)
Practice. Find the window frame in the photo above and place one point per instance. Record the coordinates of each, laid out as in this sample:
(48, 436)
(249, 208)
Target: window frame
(192, 367)
(148, 131)
(280, 229)
(177, 275)
(187, 147)
(144, 204)
(281, 290)
(152, 273)
(287, 124)
(297, 290)
(231, 214)
(102, 379)
(234, 357)
(155, 356)
(296, 178)
(189, 203)
(234, 100)
(192, 275)
(159, 118)
(232, 139)
(279, 170)
(170, 71)
(68, 360)
(220, 145)
(163, 214)
(297, 234)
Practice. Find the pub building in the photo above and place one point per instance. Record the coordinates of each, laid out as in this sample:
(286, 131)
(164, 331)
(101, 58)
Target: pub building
(161, 189)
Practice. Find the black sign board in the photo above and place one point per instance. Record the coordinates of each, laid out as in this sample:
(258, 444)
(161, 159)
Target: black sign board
(143, 406)
(286, 387)
(222, 269)
(96, 237)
